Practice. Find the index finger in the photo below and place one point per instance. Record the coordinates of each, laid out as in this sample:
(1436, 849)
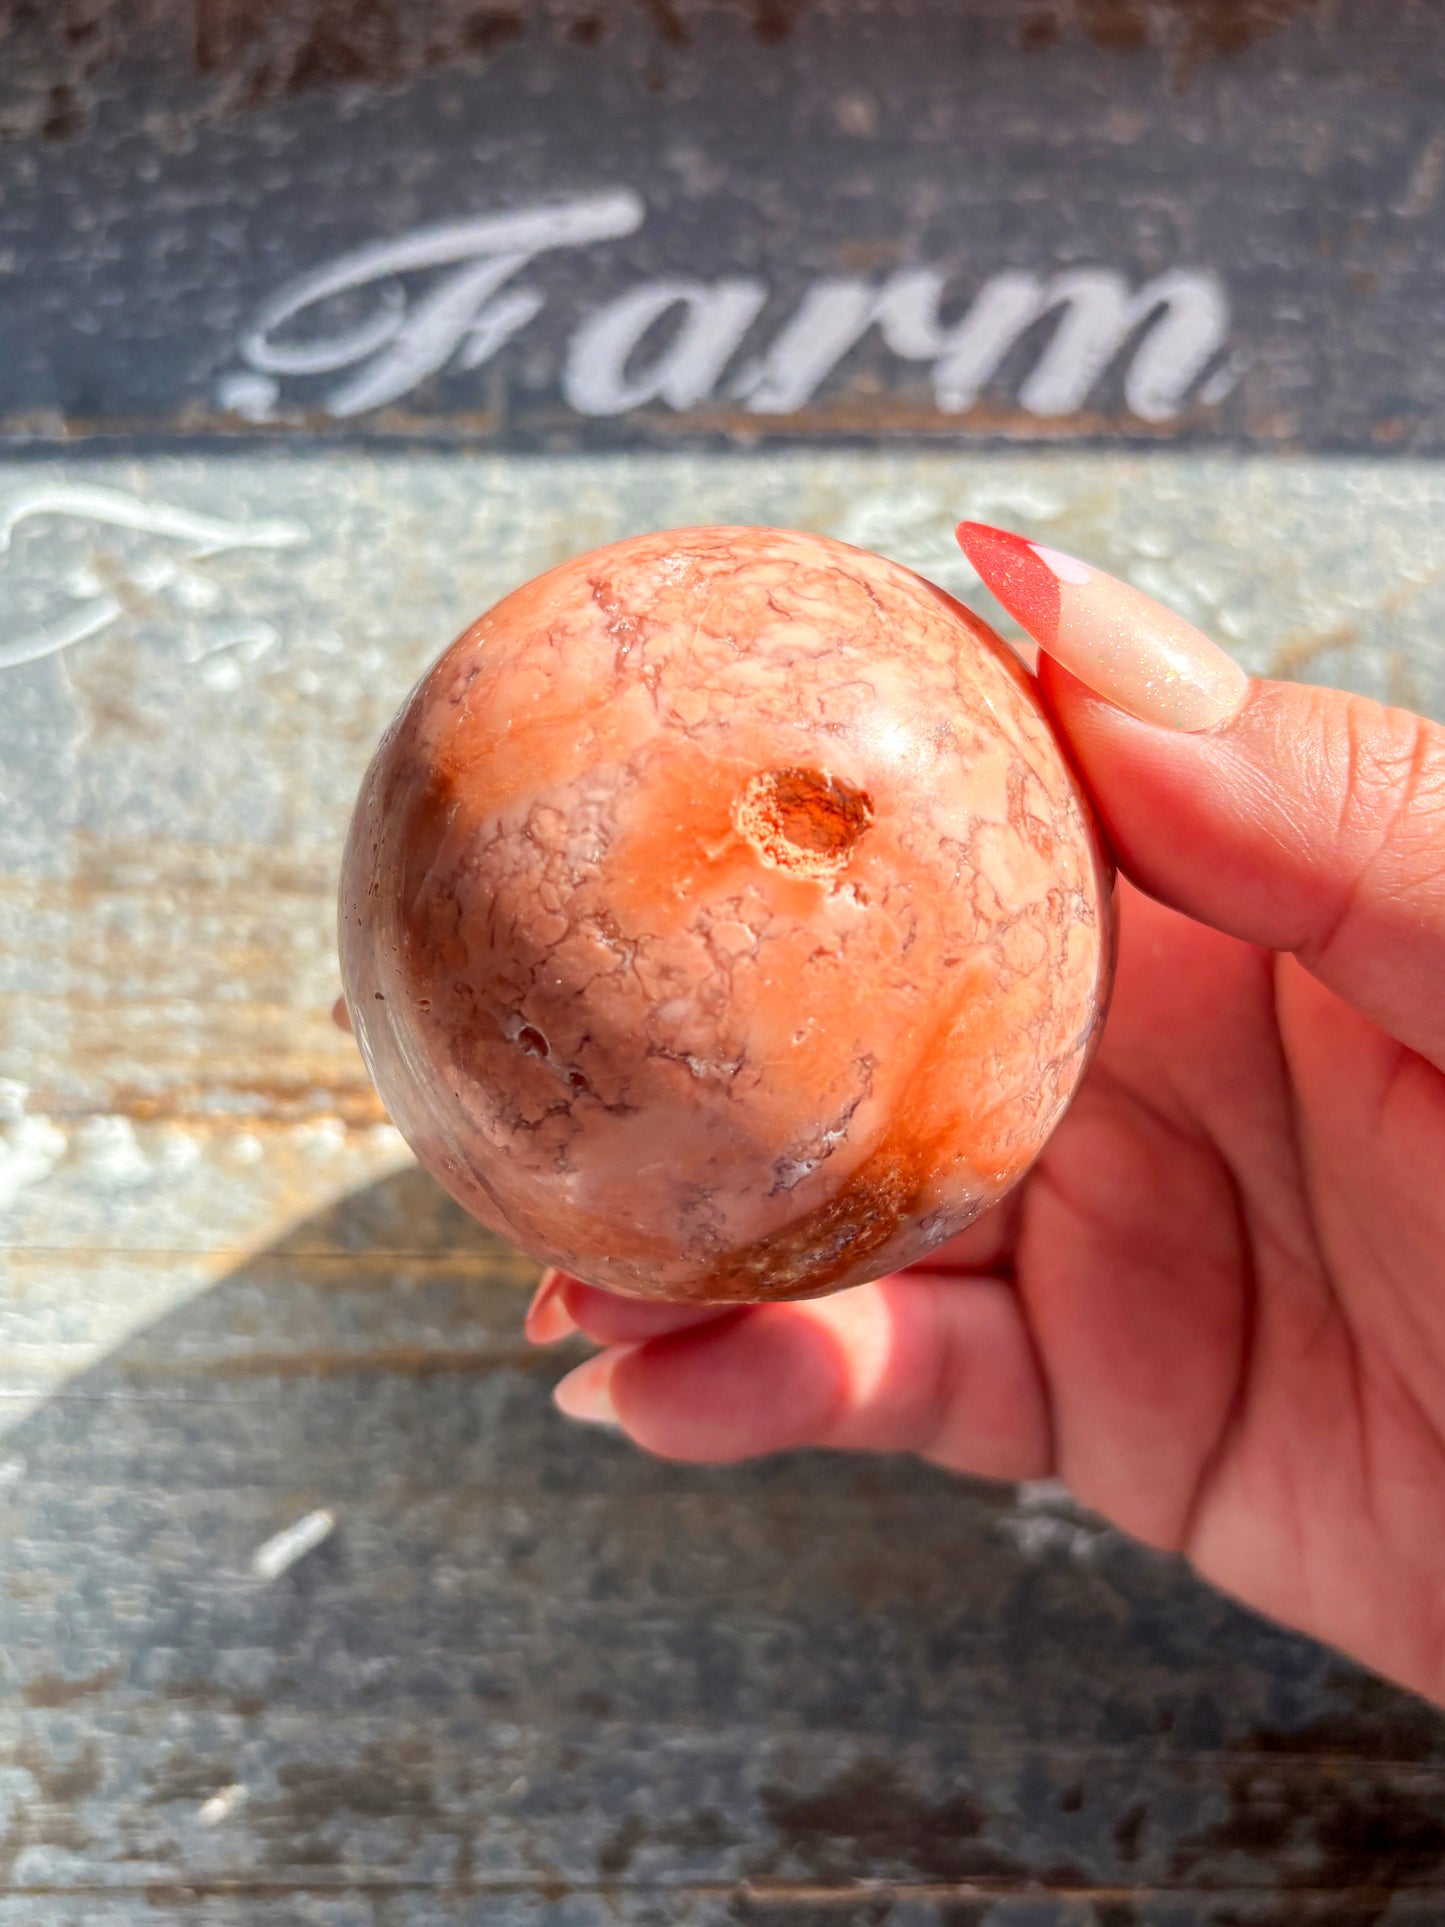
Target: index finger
(1295, 818)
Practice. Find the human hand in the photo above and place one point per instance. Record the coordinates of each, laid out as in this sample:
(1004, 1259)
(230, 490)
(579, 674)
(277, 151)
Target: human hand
(1216, 1307)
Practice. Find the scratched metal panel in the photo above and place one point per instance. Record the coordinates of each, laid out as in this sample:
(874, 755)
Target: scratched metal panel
(556, 224)
(310, 1609)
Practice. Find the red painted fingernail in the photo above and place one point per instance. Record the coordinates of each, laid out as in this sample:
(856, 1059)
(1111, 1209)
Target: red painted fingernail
(1131, 650)
(1017, 574)
(548, 1318)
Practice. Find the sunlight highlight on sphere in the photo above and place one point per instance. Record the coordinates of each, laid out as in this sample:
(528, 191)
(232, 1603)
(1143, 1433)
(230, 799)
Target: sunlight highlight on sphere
(720, 919)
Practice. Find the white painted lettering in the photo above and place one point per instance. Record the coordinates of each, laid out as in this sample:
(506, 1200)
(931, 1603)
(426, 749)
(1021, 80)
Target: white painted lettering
(714, 318)
(1184, 317)
(400, 345)
(672, 338)
(832, 317)
(965, 355)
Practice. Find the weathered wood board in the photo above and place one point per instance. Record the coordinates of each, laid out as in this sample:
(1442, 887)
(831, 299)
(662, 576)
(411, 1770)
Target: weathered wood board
(553, 223)
(523, 1677)
(325, 322)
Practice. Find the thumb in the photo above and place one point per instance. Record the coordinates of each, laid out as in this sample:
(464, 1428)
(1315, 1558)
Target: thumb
(1297, 818)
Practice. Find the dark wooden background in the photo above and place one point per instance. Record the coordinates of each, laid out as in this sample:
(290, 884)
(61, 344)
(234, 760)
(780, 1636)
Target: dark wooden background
(177, 166)
(311, 1609)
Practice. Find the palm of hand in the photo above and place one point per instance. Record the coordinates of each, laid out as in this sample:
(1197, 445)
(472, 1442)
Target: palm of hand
(1229, 1261)
(1215, 1308)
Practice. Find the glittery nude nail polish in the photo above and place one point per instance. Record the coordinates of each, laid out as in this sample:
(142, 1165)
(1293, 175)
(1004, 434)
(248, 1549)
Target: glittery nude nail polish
(586, 1393)
(1128, 648)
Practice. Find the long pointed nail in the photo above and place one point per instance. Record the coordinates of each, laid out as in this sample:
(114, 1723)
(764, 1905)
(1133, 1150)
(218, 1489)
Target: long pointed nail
(586, 1393)
(1128, 648)
(548, 1318)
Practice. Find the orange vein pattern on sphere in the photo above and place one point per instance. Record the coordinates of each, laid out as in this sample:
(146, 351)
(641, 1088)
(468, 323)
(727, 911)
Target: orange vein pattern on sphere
(721, 920)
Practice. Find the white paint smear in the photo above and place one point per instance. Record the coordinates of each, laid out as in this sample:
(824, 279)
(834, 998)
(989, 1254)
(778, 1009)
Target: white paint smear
(222, 1805)
(195, 538)
(280, 1553)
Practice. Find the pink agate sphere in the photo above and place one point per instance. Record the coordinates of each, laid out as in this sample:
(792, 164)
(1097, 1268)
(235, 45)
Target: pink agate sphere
(720, 919)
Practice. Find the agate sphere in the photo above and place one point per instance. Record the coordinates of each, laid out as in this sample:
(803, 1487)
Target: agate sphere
(721, 919)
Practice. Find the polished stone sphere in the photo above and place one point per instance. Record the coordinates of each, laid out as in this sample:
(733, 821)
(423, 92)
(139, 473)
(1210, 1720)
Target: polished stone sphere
(721, 920)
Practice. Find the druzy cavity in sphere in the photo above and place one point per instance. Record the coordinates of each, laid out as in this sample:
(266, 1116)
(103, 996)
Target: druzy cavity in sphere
(720, 919)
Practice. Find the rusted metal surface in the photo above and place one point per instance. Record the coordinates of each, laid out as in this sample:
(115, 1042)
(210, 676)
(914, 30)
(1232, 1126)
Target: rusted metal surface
(311, 1611)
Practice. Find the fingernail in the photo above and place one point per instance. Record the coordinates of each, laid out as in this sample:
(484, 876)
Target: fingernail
(548, 1318)
(1128, 648)
(586, 1393)
(340, 1015)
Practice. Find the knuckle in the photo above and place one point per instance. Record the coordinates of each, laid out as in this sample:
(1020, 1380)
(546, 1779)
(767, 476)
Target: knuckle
(1392, 802)
(1372, 808)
